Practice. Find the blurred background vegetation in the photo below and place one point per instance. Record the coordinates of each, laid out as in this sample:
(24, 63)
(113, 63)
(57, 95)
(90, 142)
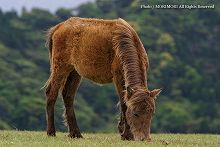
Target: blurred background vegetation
(182, 45)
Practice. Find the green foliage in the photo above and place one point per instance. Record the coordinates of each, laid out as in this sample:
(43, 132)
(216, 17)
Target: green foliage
(183, 49)
(173, 115)
(63, 14)
(4, 125)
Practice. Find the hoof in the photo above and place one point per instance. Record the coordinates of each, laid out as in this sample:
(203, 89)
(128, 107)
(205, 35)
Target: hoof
(75, 135)
(52, 134)
(127, 137)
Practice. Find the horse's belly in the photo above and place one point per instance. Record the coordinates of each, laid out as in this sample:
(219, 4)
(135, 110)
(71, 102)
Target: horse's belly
(96, 72)
(94, 64)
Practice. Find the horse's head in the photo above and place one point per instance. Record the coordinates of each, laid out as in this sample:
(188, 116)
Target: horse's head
(140, 110)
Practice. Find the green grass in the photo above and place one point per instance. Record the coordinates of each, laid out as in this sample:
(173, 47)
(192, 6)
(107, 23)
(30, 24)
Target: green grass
(31, 138)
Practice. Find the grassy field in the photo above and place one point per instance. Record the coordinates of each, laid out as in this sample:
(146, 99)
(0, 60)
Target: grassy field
(30, 138)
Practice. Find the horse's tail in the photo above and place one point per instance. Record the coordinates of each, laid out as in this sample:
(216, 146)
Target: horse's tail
(49, 45)
(49, 42)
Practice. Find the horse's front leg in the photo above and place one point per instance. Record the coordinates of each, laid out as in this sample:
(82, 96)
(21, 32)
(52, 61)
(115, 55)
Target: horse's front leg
(123, 127)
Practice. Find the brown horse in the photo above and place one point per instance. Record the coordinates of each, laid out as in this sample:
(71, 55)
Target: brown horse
(103, 51)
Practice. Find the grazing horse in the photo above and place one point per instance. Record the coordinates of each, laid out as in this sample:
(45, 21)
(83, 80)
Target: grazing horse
(103, 51)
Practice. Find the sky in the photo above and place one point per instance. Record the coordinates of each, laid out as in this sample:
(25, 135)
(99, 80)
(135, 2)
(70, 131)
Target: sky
(51, 5)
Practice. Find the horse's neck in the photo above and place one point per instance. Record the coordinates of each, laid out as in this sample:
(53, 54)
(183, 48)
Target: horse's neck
(130, 51)
(133, 76)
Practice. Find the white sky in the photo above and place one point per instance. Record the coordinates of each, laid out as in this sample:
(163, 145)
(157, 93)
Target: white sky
(51, 5)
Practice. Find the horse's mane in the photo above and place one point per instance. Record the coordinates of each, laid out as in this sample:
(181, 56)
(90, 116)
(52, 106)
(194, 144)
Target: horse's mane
(132, 55)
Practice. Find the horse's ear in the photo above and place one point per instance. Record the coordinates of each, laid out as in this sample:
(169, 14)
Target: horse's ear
(155, 92)
(129, 90)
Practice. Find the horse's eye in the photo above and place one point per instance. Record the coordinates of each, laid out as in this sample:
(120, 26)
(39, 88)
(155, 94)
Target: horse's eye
(136, 115)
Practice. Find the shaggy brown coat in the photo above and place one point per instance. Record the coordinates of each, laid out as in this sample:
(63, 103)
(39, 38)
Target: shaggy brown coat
(103, 51)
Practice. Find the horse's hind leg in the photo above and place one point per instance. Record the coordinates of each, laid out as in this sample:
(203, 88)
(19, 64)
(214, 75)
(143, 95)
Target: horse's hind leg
(69, 91)
(52, 90)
